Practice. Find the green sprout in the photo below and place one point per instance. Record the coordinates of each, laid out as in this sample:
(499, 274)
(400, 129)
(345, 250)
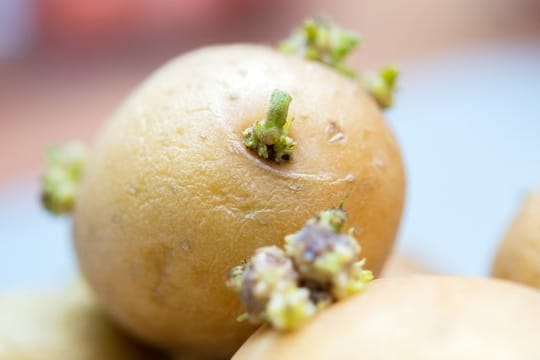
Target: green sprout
(63, 172)
(235, 278)
(318, 267)
(352, 281)
(320, 40)
(334, 218)
(382, 85)
(269, 137)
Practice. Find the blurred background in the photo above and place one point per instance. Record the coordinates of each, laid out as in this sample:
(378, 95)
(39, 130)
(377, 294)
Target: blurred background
(467, 114)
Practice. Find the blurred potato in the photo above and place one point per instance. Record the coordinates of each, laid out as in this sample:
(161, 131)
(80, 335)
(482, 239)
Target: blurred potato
(518, 257)
(65, 324)
(420, 317)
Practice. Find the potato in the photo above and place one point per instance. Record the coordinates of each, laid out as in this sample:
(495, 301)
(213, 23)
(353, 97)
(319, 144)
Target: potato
(171, 199)
(63, 324)
(518, 257)
(415, 317)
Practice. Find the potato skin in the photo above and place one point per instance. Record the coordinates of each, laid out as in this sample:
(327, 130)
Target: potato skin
(171, 198)
(518, 257)
(416, 317)
(62, 324)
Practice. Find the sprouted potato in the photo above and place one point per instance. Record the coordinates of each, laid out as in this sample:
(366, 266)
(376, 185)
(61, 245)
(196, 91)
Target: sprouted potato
(224, 150)
(62, 324)
(518, 257)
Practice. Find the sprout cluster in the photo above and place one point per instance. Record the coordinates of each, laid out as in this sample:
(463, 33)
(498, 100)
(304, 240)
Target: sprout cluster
(382, 85)
(320, 40)
(269, 137)
(319, 266)
(64, 168)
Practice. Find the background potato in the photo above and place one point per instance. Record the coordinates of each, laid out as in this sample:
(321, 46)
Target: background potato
(61, 325)
(416, 317)
(518, 258)
(171, 198)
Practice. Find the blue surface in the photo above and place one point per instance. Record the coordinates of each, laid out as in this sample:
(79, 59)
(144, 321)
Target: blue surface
(469, 126)
(35, 247)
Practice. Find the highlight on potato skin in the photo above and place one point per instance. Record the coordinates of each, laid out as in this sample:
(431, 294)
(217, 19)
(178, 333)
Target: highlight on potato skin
(318, 267)
(518, 256)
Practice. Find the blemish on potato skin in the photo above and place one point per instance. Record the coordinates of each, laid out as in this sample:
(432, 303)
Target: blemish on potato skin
(179, 131)
(132, 189)
(350, 178)
(185, 245)
(378, 162)
(242, 72)
(263, 217)
(334, 133)
(233, 96)
(175, 188)
(303, 116)
(294, 187)
(197, 109)
(155, 264)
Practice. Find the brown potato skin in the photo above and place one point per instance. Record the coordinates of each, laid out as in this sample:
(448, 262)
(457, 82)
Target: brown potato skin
(171, 198)
(518, 257)
(420, 317)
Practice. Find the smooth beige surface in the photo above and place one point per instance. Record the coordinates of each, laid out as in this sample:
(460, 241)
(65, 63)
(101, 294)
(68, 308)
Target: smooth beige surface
(518, 258)
(63, 324)
(172, 200)
(416, 318)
